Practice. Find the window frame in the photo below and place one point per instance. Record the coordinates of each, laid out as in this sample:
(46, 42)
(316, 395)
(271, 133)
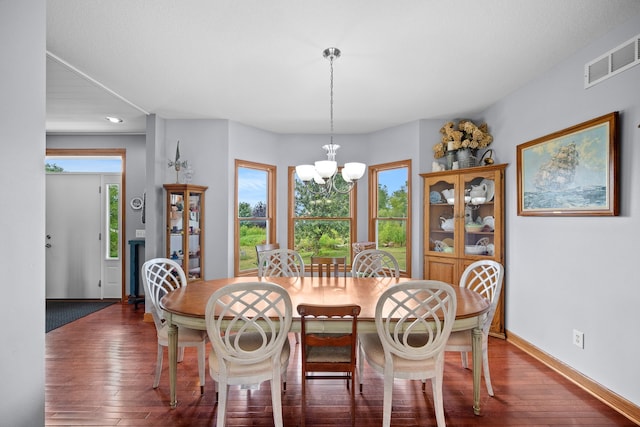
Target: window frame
(291, 218)
(270, 217)
(372, 214)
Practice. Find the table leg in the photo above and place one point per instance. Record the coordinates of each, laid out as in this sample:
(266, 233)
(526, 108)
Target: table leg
(173, 362)
(476, 355)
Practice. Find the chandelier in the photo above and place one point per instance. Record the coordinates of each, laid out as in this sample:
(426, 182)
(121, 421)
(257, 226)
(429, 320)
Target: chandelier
(320, 178)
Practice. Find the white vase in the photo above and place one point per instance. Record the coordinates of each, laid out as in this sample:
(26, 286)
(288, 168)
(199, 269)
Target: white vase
(451, 159)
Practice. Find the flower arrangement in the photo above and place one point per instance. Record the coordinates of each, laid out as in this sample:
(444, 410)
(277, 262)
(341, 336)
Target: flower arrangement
(467, 135)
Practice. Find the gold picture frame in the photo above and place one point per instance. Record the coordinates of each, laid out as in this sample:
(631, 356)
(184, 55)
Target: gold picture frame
(572, 172)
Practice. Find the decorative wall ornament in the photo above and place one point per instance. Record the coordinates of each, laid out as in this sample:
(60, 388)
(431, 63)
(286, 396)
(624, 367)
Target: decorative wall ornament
(177, 164)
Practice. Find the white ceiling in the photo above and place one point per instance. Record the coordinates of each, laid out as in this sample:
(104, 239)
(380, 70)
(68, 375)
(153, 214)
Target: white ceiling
(259, 62)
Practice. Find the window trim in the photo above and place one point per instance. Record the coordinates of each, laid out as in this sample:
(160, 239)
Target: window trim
(353, 209)
(271, 171)
(373, 204)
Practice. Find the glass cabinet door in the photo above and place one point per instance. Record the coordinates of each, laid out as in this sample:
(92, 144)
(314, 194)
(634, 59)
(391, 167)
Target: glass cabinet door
(441, 208)
(479, 215)
(176, 221)
(192, 216)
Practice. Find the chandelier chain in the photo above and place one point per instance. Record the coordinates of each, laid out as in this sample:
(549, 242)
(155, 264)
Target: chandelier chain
(331, 95)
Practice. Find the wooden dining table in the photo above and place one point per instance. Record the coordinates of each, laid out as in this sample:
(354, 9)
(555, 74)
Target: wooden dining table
(185, 307)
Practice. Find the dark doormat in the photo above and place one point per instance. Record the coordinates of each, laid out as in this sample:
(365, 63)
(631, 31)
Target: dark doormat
(61, 312)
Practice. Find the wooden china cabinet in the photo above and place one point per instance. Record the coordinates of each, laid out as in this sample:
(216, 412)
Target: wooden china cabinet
(185, 227)
(463, 219)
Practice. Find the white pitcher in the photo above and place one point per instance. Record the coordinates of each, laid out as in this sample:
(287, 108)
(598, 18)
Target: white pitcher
(479, 190)
(448, 194)
(447, 224)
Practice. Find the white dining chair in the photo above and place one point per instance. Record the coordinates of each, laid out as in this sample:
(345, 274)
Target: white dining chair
(375, 263)
(280, 263)
(413, 321)
(160, 276)
(248, 325)
(484, 277)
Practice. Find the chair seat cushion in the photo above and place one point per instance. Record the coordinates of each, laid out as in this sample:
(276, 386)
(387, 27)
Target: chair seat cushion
(374, 351)
(249, 341)
(329, 354)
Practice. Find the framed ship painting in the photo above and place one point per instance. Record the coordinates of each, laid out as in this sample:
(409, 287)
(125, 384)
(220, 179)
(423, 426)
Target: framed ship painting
(573, 172)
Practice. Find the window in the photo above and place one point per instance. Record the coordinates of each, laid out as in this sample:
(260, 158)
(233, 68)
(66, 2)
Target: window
(113, 221)
(254, 213)
(319, 225)
(390, 210)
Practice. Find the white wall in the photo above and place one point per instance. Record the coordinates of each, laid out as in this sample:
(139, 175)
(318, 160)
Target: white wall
(390, 145)
(566, 273)
(22, 138)
(205, 145)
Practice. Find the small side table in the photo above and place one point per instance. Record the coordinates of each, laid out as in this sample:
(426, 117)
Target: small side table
(134, 272)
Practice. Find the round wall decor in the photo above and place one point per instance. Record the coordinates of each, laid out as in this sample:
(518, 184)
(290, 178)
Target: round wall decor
(136, 203)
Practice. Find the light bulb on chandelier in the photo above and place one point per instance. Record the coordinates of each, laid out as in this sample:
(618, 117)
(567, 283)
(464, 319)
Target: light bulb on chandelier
(320, 178)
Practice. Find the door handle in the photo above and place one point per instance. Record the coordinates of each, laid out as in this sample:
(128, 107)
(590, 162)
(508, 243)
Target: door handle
(48, 245)
(48, 236)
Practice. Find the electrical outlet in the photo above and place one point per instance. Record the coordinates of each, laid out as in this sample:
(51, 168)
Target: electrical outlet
(578, 338)
(140, 233)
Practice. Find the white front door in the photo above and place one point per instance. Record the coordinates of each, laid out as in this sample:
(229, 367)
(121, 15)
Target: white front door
(77, 265)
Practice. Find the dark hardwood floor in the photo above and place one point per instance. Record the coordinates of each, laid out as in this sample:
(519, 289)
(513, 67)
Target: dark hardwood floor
(99, 372)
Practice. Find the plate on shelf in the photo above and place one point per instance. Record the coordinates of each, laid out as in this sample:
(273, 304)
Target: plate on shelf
(434, 197)
(483, 242)
(491, 188)
(480, 248)
(475, 250)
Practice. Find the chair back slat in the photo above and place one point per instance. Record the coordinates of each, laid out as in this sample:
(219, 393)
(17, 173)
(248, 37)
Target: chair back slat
(324, 266)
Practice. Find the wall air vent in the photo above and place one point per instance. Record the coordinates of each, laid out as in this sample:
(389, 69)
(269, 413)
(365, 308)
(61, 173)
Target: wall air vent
(613, 62)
